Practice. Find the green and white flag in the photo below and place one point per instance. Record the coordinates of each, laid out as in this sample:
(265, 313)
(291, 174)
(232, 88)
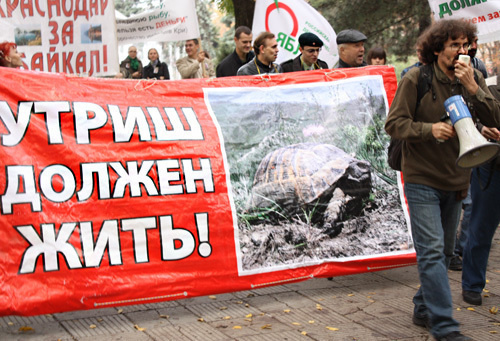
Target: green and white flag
(288, 19)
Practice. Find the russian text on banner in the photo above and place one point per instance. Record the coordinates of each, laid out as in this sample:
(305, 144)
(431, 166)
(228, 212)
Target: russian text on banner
(118, 192)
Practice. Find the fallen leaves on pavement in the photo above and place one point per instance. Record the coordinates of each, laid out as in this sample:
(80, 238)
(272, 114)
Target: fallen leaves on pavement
(139, 328)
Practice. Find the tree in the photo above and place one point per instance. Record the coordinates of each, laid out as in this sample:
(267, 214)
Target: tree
(241, 9)
(208, 32)
(226, 42)
(128, 7)
(393, 24)
(243, 12)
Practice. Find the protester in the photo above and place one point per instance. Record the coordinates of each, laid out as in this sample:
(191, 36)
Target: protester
(9, 56)
(196, 64)
(351, 45)
(266, 50)
(241, 55)
(130, 67)
(461, 239)
(476, 62)
(376, 56)
(434, 185)
(309, 47)
(484, 218)
(418, 49)
(155, 68)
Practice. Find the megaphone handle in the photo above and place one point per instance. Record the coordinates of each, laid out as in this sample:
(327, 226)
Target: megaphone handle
(446, 120)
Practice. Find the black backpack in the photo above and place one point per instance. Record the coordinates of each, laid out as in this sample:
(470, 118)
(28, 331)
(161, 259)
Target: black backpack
(424, 84)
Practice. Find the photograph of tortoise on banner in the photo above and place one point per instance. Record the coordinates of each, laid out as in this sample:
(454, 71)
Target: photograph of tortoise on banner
(308, 171)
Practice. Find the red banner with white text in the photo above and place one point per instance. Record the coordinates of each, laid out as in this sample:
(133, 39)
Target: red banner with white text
(118, 192)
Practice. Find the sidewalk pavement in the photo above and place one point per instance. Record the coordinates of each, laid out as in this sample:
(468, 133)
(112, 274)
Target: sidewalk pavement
(371, 306)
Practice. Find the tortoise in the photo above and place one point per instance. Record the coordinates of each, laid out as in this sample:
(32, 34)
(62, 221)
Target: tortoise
(312, 177)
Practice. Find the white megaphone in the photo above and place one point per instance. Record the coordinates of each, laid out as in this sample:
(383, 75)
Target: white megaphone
(475, 150)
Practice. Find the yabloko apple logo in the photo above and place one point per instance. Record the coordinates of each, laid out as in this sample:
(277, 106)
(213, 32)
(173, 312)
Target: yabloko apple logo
(278, 5)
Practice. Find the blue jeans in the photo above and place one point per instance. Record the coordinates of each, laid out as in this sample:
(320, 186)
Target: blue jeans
(464, 225)
(434, 217)
(485, 217)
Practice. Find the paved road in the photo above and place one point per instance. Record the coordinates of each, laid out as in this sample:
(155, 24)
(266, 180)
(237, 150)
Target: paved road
(371, 306)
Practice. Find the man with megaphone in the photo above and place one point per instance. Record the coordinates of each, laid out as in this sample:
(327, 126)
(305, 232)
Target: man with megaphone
(434, 184)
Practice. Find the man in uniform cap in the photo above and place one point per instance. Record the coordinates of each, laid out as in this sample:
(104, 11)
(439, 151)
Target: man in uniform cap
(351, 45)
(310, 45)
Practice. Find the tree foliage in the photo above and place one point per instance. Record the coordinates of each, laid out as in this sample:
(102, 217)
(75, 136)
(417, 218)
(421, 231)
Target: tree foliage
(209, 35)
(392, 24)
(226, 42)
(241, 9)
(131, 7)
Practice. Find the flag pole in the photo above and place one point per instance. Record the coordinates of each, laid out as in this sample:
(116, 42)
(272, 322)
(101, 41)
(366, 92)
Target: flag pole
(203, 69)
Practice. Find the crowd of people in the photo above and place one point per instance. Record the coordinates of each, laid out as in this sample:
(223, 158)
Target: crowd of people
(253, 60)
(244, 60)
(435, 187)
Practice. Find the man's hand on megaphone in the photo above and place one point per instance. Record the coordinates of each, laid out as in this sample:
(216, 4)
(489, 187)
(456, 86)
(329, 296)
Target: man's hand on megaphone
(490, 133)
(465, 73)
(443, 131)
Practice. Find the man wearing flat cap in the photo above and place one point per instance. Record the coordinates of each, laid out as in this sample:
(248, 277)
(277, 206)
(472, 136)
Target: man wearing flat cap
(351, 45)
(309, 47)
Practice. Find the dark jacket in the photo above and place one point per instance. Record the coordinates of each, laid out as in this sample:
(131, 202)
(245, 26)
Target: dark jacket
(230, 65)
(126, 69)
(343, 64)
(150, 71)
(296, 65)
(478, 64)
(417, 64)
(425, 161)
(255, 67)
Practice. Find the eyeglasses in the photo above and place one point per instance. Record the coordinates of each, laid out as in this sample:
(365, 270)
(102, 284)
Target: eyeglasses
(313, 50)
(456, 47)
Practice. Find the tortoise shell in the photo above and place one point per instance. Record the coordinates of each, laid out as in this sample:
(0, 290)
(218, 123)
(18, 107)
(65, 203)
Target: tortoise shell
(303, 174)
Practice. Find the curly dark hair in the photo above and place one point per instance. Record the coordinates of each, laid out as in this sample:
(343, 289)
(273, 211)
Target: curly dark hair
(437, 34)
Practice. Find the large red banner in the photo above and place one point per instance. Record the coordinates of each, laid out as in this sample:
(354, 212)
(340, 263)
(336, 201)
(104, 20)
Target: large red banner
(120, 192)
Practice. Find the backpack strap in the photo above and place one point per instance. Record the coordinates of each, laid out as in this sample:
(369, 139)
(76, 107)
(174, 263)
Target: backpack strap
(425, 83)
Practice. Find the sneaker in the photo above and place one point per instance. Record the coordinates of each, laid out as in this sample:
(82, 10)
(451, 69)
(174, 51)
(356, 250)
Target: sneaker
(456, 263)
(472, 297)
(421, 321)
(454, 336)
